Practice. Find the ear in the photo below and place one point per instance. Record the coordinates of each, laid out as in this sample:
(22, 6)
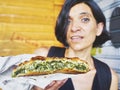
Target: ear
(99, 28)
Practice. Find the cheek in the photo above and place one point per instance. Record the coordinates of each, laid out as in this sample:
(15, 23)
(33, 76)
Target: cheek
(91, 30)
(90, 37)
(67, 34)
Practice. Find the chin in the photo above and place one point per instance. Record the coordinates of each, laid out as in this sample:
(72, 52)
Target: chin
(77, 48)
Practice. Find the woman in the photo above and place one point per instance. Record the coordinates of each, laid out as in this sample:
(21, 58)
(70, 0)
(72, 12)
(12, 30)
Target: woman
(80, 27)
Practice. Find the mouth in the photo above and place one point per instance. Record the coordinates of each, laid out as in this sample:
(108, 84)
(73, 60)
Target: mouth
(76, 38)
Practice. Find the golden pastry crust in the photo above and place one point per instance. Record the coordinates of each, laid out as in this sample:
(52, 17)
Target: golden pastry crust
(40, 65)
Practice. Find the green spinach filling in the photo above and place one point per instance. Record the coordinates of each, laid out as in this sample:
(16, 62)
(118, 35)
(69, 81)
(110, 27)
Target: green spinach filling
(51, 66)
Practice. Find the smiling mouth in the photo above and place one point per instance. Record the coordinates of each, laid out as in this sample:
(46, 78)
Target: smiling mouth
(76, 38)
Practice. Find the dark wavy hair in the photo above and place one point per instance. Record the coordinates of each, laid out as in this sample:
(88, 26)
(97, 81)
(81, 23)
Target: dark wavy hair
(62, 21)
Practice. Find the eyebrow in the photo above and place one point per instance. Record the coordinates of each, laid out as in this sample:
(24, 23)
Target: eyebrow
(85, 13)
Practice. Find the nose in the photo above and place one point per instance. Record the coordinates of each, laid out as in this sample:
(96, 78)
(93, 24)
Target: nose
(75, 27)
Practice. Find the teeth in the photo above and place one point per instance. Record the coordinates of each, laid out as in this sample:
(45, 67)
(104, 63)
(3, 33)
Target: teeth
(76, 37)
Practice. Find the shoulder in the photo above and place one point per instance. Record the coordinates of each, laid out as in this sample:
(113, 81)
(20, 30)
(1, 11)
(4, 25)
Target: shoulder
(42, 51)
(114, 83)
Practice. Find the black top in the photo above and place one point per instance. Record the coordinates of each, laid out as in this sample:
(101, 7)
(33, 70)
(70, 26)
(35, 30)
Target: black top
(102, 79)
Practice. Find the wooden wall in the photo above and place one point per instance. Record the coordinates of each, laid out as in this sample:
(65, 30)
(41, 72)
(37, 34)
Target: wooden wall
(26, 25)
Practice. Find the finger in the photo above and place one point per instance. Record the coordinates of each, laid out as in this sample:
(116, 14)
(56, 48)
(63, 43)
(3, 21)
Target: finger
(52, 83)
(55, 85)
(56, 82)
(36, 88)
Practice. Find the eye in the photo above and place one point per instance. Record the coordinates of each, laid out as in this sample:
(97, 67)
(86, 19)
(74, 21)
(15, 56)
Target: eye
(85, 20)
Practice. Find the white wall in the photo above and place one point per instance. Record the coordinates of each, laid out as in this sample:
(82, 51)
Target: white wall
(110, 54)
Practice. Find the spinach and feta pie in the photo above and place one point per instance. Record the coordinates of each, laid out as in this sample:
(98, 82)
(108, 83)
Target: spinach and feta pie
(40, 65)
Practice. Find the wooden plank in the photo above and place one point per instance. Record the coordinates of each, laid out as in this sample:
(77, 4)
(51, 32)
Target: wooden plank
(24, 36)
(59, 2)
(28, 3)
(1, 26)
(17, 47)
(10, 27)
(10, 10)
(27, 19)
(26, 25)
(32, 36)
(14, 48)
(57, 10)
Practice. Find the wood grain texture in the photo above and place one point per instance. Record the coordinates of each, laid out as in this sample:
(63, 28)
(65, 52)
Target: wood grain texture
(26, 25)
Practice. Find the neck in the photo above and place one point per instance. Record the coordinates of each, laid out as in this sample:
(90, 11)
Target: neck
(82, 54)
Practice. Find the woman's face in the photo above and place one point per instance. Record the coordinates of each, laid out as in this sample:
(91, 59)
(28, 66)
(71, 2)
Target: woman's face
(82, 28)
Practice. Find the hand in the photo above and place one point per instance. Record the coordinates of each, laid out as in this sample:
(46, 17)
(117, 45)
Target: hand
(55, 85)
